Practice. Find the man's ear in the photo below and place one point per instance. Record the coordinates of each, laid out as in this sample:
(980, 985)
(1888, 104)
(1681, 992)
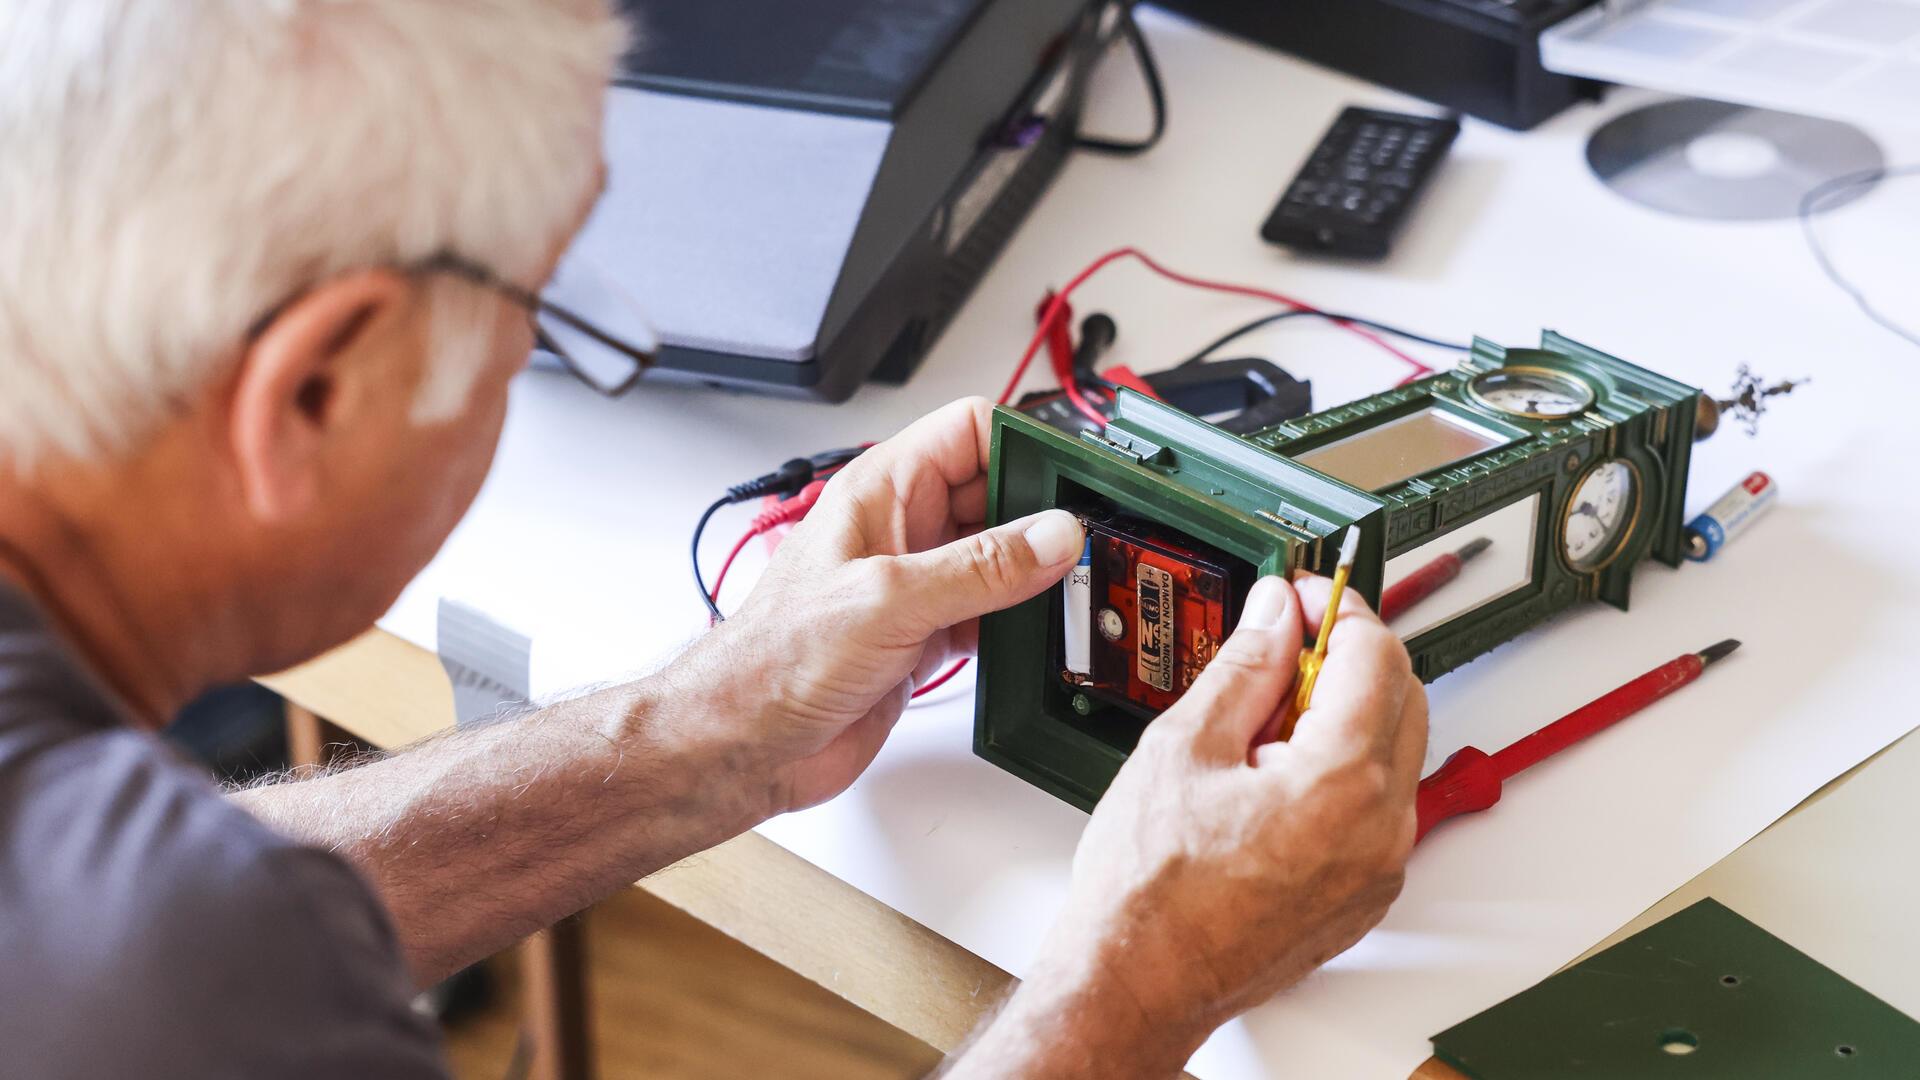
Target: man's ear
(299, 380)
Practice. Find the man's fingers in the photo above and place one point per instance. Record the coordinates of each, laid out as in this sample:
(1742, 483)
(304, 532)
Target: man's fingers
(1314, 590)
(906, 493)
(982, 573)
(970, 502)
(934, 659)
(1360, 691)
(953, 441)
(1250, 677)
(1410, 745)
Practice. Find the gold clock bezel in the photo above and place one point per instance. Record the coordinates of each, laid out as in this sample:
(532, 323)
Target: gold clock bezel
(1626, 534)
(1586, 389)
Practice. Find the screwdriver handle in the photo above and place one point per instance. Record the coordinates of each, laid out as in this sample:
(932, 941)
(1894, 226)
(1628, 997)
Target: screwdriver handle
(1466, 783)
(1280, 728)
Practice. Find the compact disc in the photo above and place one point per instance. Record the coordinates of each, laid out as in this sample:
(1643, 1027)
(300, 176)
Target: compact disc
(1709, 159)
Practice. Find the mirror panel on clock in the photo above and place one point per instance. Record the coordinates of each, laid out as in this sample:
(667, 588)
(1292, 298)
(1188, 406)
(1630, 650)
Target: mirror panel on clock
(1501, 562)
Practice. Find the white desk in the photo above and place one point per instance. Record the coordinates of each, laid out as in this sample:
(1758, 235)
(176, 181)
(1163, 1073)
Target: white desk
(579, 537)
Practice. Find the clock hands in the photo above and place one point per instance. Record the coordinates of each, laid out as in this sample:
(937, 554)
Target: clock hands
(1538, 394)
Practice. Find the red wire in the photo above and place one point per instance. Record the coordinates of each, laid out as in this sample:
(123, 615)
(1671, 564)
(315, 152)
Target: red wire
(786, 513)
(933, 684)
(1054, 316)
(1079, 400)
(721, 579)
(939, 680)
(1052, 312)
(1056, 321)
(782, 513)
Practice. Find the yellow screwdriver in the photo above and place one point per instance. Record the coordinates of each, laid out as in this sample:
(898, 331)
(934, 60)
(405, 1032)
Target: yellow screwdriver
(1312, 659)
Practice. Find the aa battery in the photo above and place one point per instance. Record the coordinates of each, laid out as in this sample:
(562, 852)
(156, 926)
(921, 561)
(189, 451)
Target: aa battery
(1730, 515)
(1078, 623)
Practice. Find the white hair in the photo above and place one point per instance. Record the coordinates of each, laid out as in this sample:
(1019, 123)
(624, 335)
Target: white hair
(172, 169)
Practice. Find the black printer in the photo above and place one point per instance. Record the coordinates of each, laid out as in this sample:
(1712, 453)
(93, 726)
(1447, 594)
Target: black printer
(802, 194)
(1481, 57)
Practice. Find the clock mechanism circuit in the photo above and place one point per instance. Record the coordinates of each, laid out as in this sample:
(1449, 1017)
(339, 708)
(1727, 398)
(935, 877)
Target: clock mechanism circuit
(1153, 608)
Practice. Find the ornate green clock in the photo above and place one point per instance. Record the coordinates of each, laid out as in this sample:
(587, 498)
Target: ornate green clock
(1569, 463)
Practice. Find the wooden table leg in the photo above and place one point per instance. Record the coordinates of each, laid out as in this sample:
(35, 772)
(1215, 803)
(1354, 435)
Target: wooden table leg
(306, 738)
(555, 963)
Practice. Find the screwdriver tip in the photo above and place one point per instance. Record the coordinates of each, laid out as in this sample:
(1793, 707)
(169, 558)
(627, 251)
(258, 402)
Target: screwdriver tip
(1350, 546)
(1473, 548)
(1717, 652)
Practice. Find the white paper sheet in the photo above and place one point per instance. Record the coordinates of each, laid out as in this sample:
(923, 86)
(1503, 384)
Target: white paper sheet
(1855, 60)
(578, 541)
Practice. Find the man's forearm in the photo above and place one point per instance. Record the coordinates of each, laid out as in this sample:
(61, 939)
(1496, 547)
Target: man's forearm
(1069, 1022)
(477, 838)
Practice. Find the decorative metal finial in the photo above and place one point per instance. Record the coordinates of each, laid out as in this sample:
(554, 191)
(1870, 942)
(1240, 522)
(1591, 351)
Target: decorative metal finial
(1750, 393)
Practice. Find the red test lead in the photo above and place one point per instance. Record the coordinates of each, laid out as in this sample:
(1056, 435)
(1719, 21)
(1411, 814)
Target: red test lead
(1471, 778)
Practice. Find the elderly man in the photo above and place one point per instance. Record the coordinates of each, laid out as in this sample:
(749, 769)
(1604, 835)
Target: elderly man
(266, 271)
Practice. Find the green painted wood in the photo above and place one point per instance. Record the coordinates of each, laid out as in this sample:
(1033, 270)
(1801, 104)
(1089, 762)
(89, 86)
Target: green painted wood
(1702, 995)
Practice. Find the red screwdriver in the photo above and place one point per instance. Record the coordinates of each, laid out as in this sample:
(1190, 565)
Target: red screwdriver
(1395, 599)
(1471, 778)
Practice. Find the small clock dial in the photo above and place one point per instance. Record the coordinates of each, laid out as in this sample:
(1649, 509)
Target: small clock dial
(1532, 392)
(1599, 515)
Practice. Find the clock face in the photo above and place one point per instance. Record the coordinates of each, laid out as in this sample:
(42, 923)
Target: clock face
(1535, 393)
(1600, 515)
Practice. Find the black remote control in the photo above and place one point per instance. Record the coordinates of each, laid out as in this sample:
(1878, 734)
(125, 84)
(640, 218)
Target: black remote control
(1355, 190)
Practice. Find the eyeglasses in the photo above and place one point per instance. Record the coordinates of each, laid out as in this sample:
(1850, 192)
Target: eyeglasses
(609, 355)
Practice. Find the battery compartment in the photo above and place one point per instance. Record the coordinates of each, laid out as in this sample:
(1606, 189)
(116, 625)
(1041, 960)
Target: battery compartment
(1153, 605)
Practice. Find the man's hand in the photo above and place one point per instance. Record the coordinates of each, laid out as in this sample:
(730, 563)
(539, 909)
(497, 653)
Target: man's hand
(484, 835)
(879, 588)
(1216, 873)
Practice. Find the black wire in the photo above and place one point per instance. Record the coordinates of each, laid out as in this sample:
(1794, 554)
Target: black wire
(1268, 320)
(835, 459)
(706, 595)
(1810, 205)
(1156, 95)
(783, 482)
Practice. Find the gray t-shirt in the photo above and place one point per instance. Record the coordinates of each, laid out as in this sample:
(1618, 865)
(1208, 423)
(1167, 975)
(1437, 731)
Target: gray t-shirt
(150, 928)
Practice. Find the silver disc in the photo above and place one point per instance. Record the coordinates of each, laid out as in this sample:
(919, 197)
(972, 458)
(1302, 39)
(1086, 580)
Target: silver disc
(1709, 159)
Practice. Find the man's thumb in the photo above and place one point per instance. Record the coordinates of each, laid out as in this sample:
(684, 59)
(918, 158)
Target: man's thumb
(991, 570)
(1251, 677)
